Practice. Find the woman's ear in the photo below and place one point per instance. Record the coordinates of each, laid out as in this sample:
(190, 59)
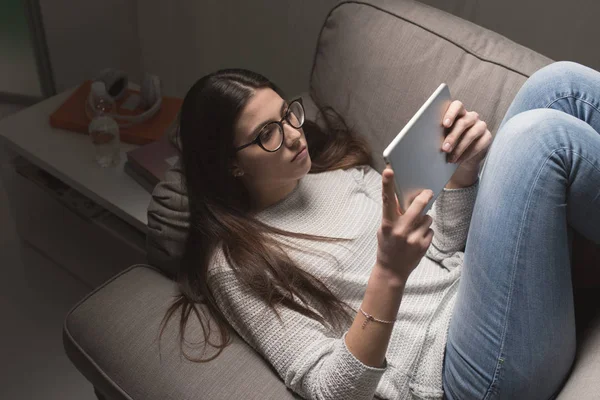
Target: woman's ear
(236, 170)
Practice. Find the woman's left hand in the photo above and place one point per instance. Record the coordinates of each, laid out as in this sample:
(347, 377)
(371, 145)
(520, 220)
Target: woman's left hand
(469, 137)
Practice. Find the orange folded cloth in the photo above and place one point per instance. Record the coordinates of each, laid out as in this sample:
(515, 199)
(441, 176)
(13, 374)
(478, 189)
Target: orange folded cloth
(71, 116)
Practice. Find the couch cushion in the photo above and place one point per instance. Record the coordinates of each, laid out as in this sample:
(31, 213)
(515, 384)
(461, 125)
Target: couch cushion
(378, 61)
(112, 338)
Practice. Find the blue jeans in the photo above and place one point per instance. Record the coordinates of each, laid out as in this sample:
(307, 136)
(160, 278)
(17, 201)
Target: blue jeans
(512, 334)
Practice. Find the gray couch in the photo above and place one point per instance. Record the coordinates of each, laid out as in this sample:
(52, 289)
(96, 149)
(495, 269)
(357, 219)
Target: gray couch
(375, 63)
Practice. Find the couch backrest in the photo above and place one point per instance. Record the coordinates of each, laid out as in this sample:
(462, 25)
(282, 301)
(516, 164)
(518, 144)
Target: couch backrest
(377, 61)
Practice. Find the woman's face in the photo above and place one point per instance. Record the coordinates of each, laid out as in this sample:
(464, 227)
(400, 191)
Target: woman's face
(264, 169)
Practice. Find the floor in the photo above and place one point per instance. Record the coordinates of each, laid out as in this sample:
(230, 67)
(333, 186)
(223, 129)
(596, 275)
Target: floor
(35, 295)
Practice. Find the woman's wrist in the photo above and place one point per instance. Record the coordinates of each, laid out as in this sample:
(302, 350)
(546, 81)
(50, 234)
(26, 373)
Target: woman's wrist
(386, 276)
(383, 295)
(367, 339)
(462, 179)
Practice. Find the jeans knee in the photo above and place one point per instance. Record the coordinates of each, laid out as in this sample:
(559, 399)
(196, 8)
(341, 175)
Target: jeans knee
(561, 75)
(559, 69)
(529, 135)
(540, 135)
(531, 126)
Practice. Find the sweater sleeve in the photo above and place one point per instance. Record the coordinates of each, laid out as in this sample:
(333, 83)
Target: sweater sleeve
(310, 359)
(451, 213)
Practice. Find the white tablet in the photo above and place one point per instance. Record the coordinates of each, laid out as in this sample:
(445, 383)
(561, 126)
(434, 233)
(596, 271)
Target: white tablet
(416, 154)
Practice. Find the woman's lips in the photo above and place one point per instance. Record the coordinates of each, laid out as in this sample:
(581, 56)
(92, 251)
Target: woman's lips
(300, 155)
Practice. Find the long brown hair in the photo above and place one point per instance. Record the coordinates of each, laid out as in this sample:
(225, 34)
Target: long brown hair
(220, 217)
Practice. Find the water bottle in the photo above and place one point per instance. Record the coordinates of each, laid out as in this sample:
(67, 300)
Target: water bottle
(103, 129)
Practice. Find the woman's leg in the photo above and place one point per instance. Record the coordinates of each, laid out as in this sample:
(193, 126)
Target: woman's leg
(565, 86)
(512, 334)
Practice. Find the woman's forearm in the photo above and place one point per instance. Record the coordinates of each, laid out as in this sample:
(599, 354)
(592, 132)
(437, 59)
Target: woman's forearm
(382, 300)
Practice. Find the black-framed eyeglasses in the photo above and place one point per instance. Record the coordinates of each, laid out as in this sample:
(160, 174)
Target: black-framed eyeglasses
(270, 138)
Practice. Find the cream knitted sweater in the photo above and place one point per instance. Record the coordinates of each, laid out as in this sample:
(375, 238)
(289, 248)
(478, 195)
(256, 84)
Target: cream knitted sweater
(314, 361)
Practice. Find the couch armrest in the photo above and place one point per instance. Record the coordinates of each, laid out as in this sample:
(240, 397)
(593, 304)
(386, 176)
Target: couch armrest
(112, 338)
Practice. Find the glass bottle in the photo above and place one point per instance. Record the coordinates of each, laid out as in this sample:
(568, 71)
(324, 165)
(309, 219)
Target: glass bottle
(103, 129)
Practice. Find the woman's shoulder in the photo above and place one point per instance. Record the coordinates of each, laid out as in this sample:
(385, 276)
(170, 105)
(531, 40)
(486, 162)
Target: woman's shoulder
(218, 263)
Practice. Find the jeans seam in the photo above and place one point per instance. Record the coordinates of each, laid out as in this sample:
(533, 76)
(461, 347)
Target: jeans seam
(501, 355)
(574, 97)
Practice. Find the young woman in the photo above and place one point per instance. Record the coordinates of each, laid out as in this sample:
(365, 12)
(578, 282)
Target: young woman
(300, 246)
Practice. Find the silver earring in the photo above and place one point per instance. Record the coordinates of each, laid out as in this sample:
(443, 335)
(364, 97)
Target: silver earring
(238, 173)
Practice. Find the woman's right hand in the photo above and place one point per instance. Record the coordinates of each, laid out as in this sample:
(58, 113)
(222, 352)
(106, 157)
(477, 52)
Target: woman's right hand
(403, 237)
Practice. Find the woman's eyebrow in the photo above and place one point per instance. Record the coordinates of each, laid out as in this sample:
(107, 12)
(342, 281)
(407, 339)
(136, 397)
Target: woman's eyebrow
(259, 127)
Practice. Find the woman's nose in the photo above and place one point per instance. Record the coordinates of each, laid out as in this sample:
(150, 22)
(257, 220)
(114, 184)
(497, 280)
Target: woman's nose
(292, 135)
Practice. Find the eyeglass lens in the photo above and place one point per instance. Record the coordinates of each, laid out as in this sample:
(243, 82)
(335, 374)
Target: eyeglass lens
(271, 137)
(296, 115)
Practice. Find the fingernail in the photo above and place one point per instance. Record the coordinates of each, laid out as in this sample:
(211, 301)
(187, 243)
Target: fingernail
(447, 122)
(446, 146)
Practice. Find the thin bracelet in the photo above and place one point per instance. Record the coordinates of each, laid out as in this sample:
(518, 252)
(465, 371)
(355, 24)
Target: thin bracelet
(371, 318)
